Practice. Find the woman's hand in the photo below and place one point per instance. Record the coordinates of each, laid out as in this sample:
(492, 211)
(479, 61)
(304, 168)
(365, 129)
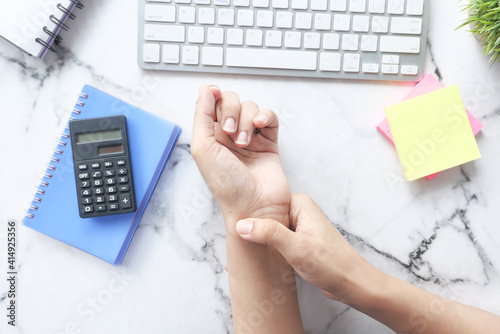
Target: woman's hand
(235, 146)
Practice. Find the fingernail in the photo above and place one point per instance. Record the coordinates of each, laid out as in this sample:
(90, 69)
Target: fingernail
(244, 227)
(242, 138)
(229, 125)
(262, 118)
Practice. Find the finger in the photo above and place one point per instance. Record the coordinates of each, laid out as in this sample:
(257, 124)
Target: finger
(303, 207)
(245, 126)
(267, 120)
(204, 116)
(267, 231)
(228, 112)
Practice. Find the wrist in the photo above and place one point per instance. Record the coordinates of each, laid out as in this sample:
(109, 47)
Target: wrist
(231, 217)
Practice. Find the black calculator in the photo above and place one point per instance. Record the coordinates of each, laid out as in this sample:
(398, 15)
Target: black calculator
(103, 172)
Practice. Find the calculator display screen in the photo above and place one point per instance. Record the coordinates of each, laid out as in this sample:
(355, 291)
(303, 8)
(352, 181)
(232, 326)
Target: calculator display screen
(92, 137)
(110, 149)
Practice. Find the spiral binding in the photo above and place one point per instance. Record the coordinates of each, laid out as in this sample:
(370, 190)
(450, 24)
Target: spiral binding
(47, 175)
(59, 24)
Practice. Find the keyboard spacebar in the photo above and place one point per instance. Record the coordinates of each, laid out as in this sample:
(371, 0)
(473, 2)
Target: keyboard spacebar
(265, 58)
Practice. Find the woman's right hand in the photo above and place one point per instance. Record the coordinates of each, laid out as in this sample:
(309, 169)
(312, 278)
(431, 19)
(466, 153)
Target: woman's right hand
(314, 248)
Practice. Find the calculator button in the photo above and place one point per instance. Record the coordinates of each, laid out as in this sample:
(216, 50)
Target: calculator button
(123, 179)
(112, 198)
(113, 206)
(111, 189)
(122, 171)
(98, 191)
(86, 192)
(88, 209)
(109, 172)
(85, 184)
(125, 201)
(108, 163)
(100, 207)
(99, 199)
(120, 162)
(124, 188)
(83, 176)
(110, 181)
(82, 167)
(96, 165)
(87, 200)
(96, 175)
(97, 183)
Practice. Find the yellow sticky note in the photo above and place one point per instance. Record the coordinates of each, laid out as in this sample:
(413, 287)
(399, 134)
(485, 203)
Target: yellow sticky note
(432, 133)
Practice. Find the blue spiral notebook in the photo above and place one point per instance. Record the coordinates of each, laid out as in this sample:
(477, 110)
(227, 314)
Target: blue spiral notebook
(54, 209)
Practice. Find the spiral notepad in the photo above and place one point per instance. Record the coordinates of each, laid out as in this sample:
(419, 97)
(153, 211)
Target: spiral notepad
(34, 25)
(54, 208)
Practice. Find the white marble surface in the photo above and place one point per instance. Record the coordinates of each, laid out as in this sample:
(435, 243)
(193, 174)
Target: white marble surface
(442, 235)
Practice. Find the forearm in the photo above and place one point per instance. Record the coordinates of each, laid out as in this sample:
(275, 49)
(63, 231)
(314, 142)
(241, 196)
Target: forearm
(262, 286)
(408, 309)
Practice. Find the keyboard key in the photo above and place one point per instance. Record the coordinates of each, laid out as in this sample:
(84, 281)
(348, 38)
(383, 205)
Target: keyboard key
(165, 33)
(299, 4)
(113, 206)
(329, 61)
(370, 68)
(361, 23)
(124, 188)
(260, 3)
(396, 44)
(83, 176)
(415, 7)
(190, 55)
(234, 36)
(390, 59)
(293, 39)
(171, 53)
(369, 43)
(100, 199)
(331, 41)
(221, 2)
(280, 4)
(390, 69)
(350, 42)
(303, 20)
(100, 207)
(357, 6)
(409, 69)
(182, 1)
(215, 36)
(241, 3)
(273, 38)
(187, 14)
(86, 192)
(196, 34)
(284, 19)
(211, 56)
(245, 18)
(265, 58)
(120, 162)
(82, 167)
(124, 179)
(96, 175)
(264, 18)
(380, 24)
(160, 13)
(351, 62)
(396, 6)
(406, 25)
(112, 198)
(225, 16)
(319, 4)
(311, 40)
(341, 22)
(254, 37)
(338, 5)
(96, 165)
(109, 172)
(202, 2)
(87, 200)
(205, 16)
(322, 21)
(88, 209)
(376, 6)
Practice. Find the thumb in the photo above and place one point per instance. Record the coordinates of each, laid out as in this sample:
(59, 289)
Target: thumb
(205, 114)
(266, 231)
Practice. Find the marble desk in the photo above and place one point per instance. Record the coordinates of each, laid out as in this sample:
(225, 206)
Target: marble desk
(441, 235)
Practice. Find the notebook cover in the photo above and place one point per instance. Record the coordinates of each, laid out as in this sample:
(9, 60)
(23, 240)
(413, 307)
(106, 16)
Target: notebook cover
(151, 140)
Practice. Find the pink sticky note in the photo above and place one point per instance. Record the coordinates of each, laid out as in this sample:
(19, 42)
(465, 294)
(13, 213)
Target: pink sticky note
(428, 84)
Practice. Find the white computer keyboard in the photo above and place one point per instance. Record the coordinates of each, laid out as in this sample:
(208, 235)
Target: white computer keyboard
(349, 39)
